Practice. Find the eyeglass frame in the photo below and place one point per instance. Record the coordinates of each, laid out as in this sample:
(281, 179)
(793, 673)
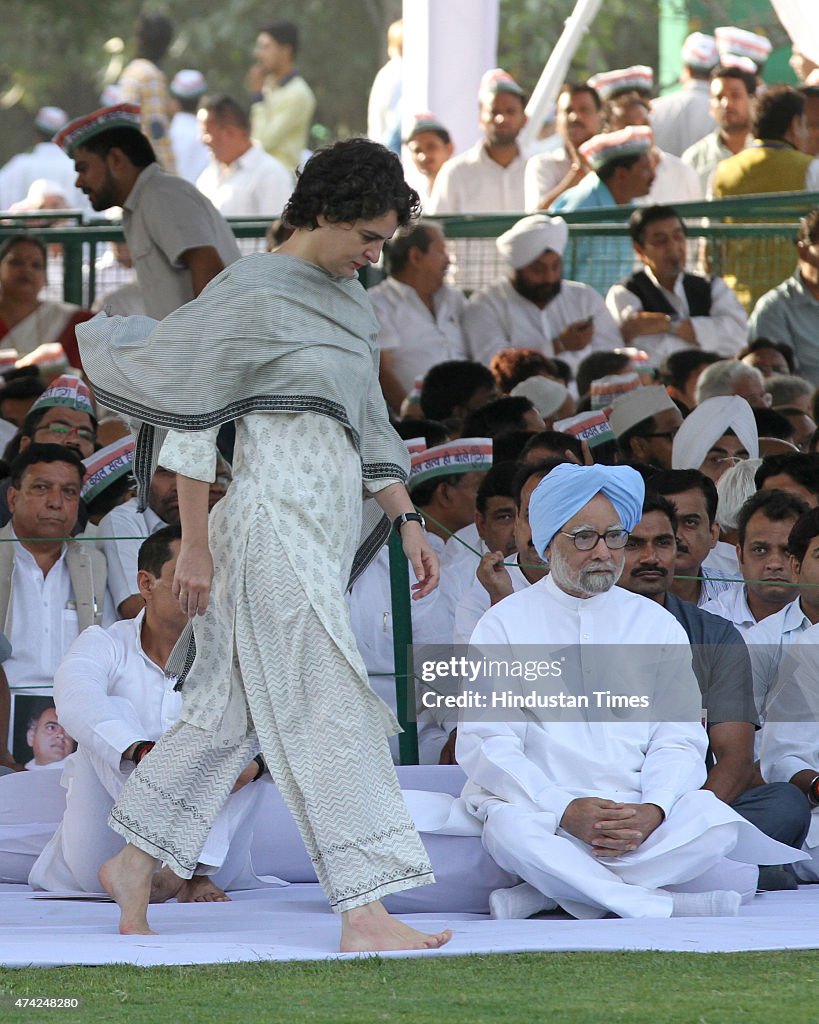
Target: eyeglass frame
(60, 427)
(598, 537)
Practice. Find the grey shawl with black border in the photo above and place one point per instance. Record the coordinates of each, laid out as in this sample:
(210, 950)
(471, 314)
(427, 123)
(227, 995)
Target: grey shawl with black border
(271, 333)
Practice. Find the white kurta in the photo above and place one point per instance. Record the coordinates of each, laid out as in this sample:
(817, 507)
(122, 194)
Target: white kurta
(723, 331)
(416, 338)
(499, 317)
(767, 641)
(524, 774)
(254, 185)
(109, 694)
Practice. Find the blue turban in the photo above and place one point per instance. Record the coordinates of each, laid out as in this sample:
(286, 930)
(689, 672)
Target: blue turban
(563, 492)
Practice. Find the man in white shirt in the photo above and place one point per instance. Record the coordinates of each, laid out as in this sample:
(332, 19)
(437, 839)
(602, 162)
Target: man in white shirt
(768, 638)
(488, 177)
(533, 306)
(443, 484)
(764, 524)
(122, 531)
(579, 118)
(177, 240)
(419, 316)
(50, 588)
(241, 180)
(113, 695)
(664, 307)
(599, 813)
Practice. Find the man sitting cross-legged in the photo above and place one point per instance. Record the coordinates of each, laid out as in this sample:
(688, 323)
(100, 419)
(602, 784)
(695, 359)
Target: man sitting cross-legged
(723, 669)
(112, 695)
(600, 815)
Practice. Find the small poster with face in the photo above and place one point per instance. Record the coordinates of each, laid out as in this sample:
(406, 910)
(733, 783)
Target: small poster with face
(37, 738)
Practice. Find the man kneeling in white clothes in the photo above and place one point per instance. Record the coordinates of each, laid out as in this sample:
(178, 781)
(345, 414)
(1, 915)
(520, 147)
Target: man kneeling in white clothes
(113, 691)
(601, 812)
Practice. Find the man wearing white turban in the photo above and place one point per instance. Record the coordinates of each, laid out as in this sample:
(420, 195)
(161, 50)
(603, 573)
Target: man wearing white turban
(599, 811)
(534, 307)
(717, 434)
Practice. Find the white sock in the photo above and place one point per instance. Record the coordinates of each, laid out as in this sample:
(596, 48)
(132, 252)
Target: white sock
(518, 902)
(721, 903)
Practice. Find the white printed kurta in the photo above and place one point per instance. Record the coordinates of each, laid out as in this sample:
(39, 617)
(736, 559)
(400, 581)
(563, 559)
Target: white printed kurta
(276, 646)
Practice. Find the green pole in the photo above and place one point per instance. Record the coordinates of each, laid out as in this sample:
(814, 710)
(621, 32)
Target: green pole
(401, 640)
(72, 271)
(673, 28)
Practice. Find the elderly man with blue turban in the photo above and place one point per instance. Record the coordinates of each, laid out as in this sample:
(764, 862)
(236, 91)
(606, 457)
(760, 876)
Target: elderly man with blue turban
(599, 811)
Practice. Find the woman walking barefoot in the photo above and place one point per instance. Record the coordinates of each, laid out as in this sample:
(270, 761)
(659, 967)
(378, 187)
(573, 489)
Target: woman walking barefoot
(283, 343)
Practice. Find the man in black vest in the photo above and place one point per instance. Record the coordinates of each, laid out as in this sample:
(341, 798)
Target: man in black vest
(662, 308)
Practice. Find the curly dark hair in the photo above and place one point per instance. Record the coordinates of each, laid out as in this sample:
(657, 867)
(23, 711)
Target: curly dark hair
(348, 181)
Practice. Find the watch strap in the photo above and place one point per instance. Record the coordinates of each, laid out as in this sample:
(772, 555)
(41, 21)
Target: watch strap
(408, 517)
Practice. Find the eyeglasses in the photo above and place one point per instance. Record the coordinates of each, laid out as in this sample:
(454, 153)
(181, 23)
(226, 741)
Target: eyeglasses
(62, 429)
(585, 540)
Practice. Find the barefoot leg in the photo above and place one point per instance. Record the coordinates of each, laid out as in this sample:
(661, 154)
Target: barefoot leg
(165, 885)
(370, 928)
(127, 878)
(200, 889)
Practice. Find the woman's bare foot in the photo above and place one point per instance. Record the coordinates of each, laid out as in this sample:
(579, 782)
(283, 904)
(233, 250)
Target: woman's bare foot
(370, 929)
(200, 889)
(127, 879)
(165, 885)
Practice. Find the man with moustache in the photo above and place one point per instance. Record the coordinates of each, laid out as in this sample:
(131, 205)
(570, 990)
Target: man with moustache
(723, 669)
(579, 118)
(543, 786)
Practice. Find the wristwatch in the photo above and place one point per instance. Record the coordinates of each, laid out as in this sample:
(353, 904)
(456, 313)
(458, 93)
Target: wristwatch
(813, 792)
(408, 517)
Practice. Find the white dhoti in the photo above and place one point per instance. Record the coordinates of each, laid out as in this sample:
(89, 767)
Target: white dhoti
(694, 838)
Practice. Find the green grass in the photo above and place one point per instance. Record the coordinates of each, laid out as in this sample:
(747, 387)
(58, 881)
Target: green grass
(615, 988)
